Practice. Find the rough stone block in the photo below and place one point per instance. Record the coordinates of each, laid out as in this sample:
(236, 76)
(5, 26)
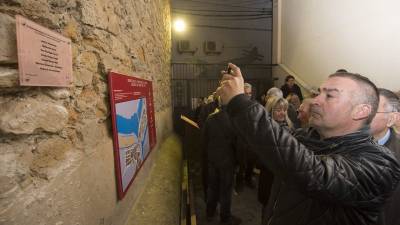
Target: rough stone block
(91, 133)
(62, 4)
(48, 157)
(14, 174)
(94, 13)
(8, 77)
(24, 116)
(8, 37)
(58, 93)
(118, 48)
(83, 77)
(108, 62)
(88, 60)
(71, 30)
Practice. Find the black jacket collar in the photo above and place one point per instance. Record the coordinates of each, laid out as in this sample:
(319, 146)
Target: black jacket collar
(311, 139)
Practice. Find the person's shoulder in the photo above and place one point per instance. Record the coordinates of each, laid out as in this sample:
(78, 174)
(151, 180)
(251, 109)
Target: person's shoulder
(372, 151)
(238, 104)
(395, 135)
(306, 134)
(378, 166)
(394, 143)
(302, 132)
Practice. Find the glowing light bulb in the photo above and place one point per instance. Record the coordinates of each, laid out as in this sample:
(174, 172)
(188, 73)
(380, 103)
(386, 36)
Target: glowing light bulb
(180, 25)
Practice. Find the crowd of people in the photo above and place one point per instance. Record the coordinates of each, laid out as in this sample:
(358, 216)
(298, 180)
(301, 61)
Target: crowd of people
(330, 158)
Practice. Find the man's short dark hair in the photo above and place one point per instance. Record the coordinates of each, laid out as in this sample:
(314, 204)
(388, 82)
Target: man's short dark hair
(392, 100)
(341, 71)
(369, 95)
(288, 77)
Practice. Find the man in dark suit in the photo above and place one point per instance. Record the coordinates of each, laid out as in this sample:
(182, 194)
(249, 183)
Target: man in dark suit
(381, 128)
(219, 140)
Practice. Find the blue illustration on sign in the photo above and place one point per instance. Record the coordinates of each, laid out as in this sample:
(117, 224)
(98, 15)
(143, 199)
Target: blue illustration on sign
(133, 137)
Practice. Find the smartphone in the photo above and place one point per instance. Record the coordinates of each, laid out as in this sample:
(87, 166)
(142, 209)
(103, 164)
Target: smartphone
(228, 70)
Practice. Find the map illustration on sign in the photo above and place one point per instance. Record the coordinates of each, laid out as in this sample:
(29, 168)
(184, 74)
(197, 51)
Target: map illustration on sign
(133, 137)
(133, 126)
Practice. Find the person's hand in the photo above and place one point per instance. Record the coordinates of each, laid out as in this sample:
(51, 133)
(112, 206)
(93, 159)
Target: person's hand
(231, 84)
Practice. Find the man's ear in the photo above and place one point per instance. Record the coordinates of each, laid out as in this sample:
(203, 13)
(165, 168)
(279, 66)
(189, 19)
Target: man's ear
(392, 119)
(397, 118)
(361, 111)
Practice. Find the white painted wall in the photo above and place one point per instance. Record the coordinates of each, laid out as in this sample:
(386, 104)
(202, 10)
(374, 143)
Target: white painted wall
(234, 41)
(362, 36)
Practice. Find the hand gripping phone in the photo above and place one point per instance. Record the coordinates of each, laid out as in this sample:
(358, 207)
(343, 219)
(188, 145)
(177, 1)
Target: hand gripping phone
(228, 69)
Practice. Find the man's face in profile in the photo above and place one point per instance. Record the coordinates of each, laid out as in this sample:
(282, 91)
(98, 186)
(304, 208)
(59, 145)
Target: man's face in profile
(295, 101)
(380, 123)
(331, 110)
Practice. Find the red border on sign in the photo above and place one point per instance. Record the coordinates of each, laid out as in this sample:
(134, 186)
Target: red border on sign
(124, 88)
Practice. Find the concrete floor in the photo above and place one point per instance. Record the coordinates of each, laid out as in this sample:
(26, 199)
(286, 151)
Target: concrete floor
(244, 205)
(159, 204)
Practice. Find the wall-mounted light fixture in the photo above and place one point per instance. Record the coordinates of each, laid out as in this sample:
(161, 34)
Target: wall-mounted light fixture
(180, 25)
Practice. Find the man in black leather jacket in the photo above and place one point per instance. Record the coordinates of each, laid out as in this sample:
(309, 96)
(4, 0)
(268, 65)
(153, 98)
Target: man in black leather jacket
(336, 175)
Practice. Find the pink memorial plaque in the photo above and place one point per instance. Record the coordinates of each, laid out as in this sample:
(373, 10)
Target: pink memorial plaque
(44, 56)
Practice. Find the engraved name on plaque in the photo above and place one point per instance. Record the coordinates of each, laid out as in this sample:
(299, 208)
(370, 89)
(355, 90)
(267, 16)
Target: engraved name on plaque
(44, 56)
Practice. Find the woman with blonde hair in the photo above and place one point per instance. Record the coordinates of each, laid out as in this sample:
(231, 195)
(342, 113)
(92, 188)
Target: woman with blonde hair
(277, 108)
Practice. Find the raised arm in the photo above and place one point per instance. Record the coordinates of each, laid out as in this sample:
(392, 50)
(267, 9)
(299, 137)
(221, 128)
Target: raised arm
(339, 178)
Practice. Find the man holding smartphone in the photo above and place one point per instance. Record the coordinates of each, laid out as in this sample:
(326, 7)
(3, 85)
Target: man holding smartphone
(335, 174)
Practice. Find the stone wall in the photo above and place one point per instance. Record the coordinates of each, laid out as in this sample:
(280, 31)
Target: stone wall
(56, 153)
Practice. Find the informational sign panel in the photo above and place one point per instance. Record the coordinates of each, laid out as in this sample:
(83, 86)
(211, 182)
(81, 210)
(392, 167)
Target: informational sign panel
(134, 128)
(44, 56)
